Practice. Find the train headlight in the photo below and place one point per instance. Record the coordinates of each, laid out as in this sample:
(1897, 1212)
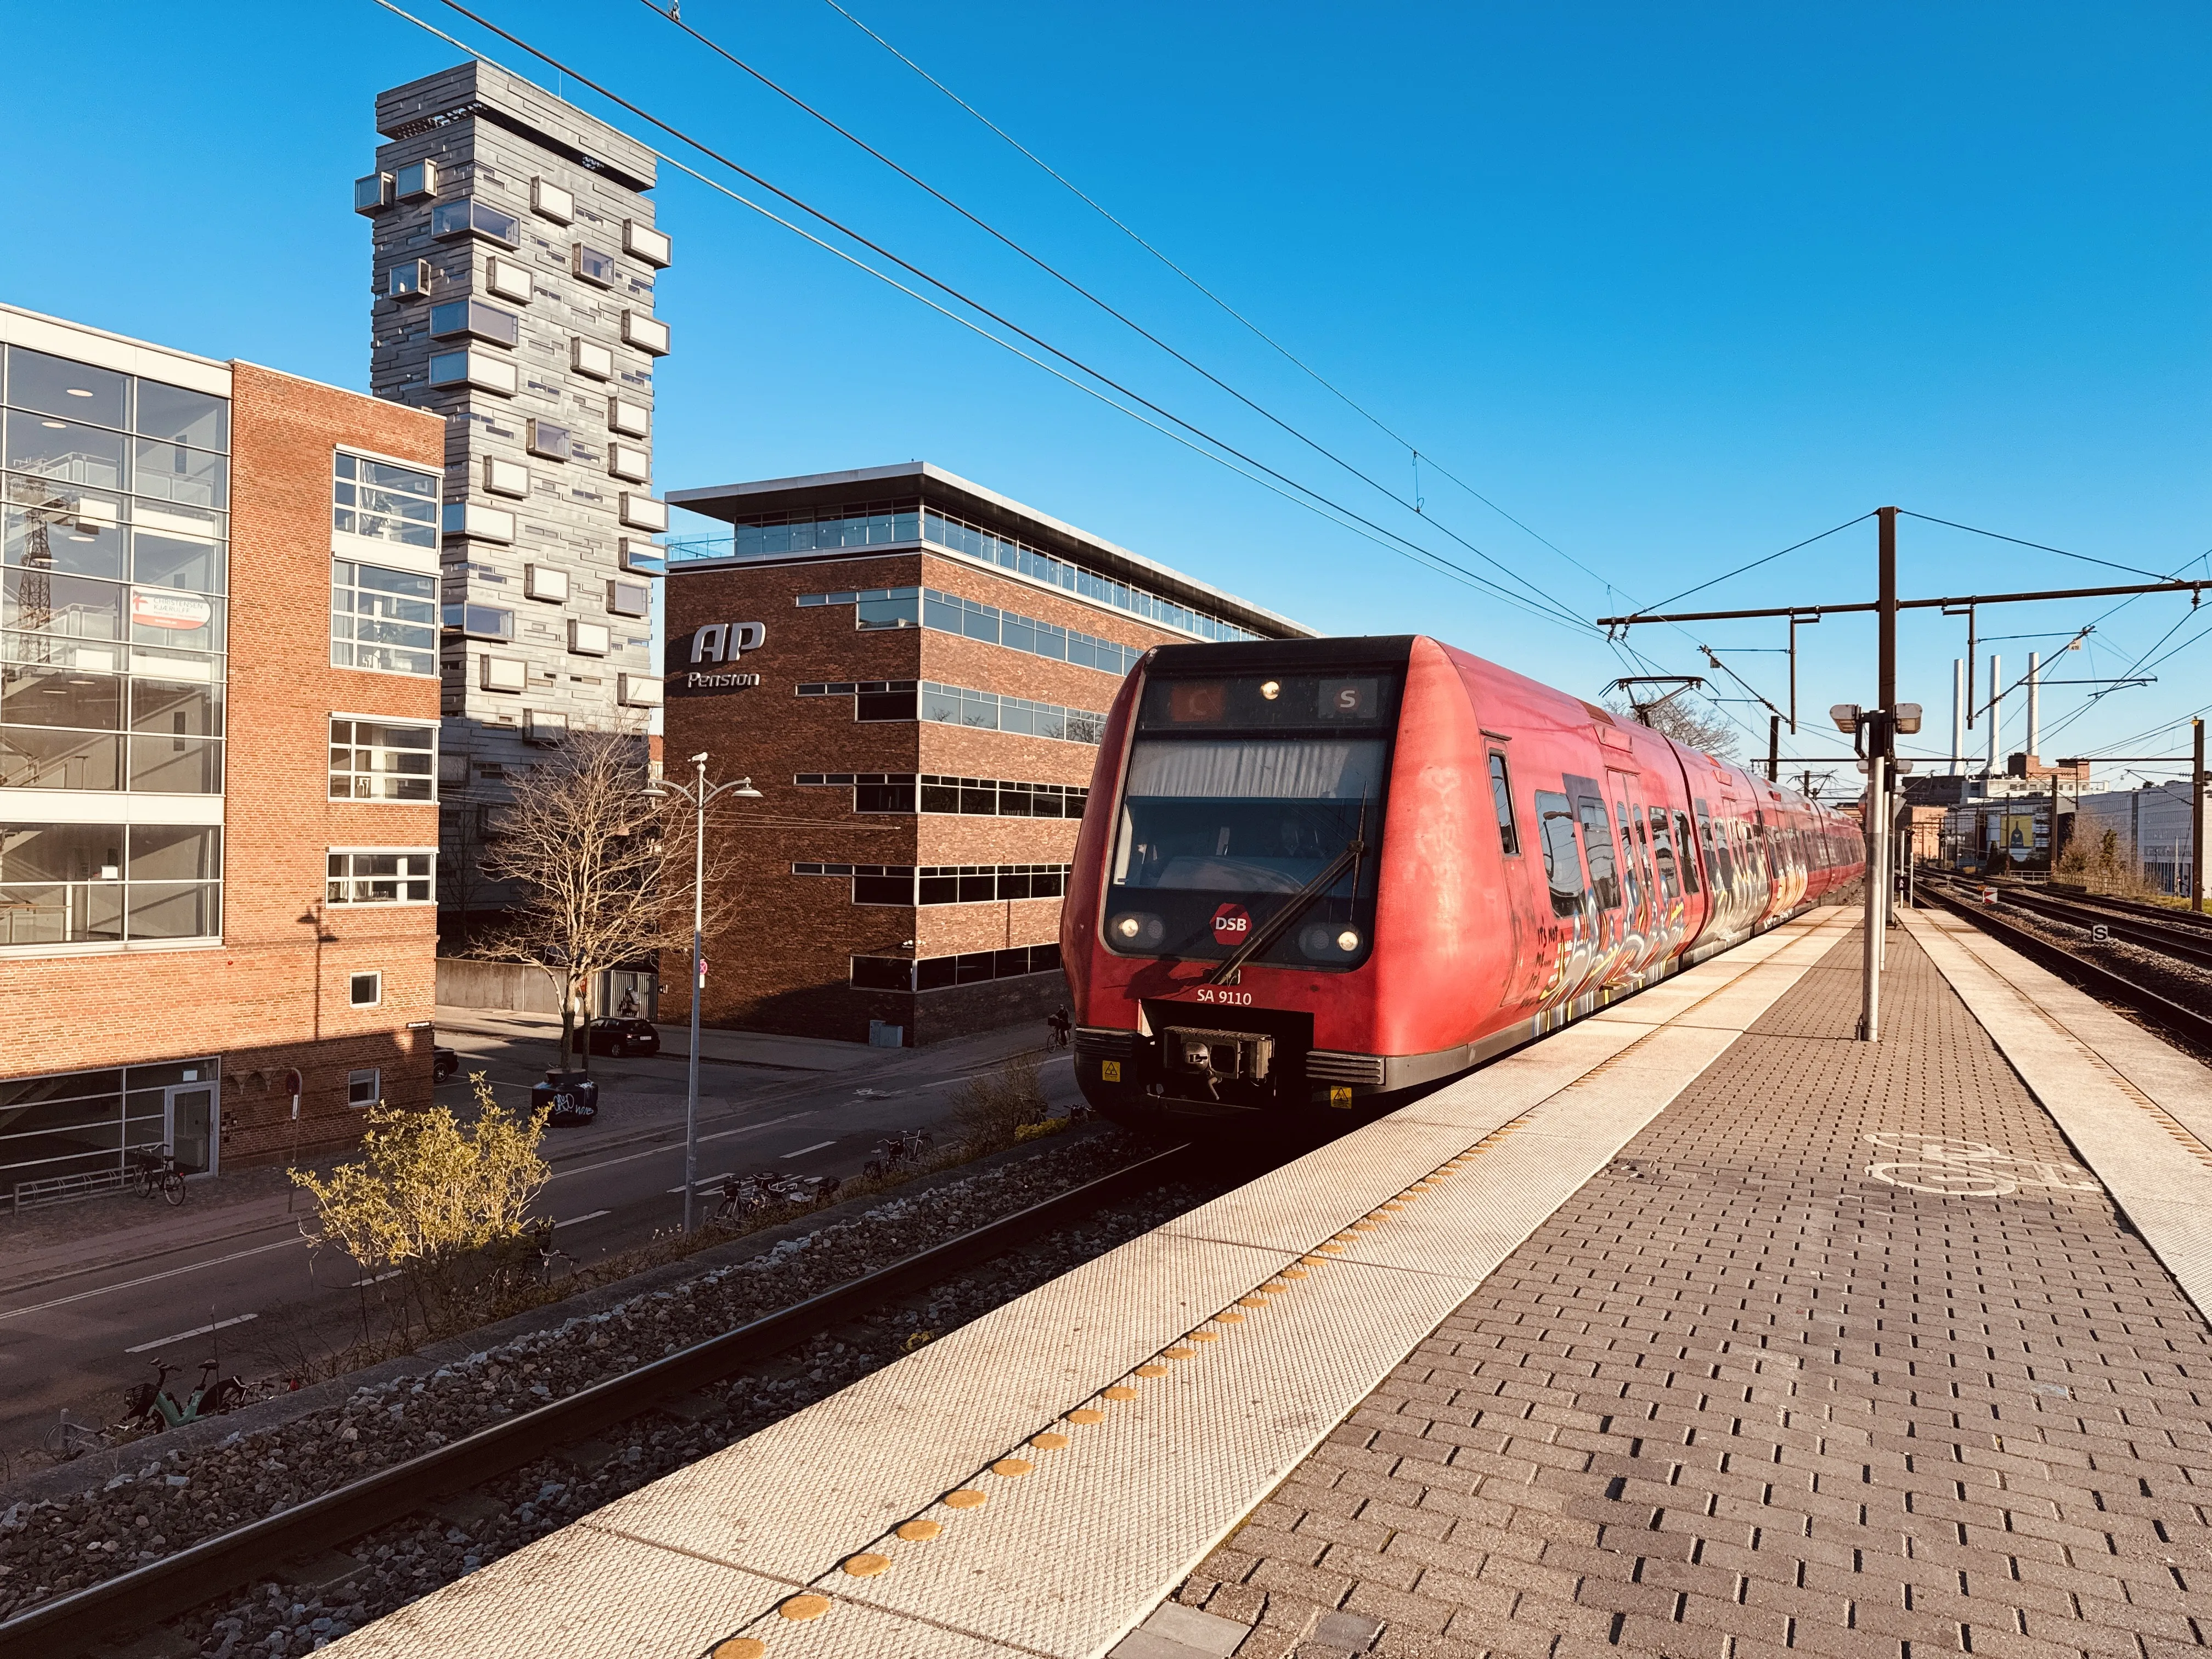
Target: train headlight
(1323, 943)
(1136, 930)
(1347, 941)
(1271, 689)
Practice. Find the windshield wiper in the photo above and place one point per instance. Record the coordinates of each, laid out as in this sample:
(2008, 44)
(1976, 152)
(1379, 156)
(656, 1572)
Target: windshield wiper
(1300, 902)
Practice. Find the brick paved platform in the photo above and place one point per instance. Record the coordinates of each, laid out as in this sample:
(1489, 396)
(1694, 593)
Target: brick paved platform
(1770, 1383)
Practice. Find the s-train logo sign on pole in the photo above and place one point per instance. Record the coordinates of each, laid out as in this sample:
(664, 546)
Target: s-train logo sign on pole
(693, 668)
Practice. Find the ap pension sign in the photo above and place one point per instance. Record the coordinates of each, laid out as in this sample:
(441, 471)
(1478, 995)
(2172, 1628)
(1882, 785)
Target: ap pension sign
(707, 662)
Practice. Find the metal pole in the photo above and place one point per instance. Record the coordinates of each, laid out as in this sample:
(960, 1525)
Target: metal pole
(1997, 708)
(1870, 963)
(2034, 706)
(1773, 748)
(1970, 668)
(1958, 716)
(1885, 731)
(2196, 859)
(1793, 676)
(698, 984)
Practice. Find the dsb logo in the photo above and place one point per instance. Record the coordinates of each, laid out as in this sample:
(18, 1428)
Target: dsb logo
(1231, 924)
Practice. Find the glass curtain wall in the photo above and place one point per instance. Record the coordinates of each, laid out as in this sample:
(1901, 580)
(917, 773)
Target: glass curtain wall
(81, 1129)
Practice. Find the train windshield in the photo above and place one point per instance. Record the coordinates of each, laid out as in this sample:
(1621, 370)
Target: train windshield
(1253, 808)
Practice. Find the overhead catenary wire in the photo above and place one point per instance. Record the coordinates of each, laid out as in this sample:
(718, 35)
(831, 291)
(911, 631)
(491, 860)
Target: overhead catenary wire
(1118, 315)
(1326, 509)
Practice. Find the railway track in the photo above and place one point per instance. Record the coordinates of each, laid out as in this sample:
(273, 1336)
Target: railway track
(221, 1566)
(2180, 940)
(2161, 1010)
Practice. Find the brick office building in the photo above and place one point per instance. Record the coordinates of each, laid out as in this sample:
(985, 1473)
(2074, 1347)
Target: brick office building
(218, 730)
(914, 671)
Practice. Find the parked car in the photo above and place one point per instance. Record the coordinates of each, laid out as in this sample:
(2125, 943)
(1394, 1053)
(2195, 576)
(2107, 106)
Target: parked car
(444, 1062)
(566, 1097)
(624, 1036)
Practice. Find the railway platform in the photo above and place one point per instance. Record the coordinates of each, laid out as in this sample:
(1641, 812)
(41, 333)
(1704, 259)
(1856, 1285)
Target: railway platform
(1698, 1328)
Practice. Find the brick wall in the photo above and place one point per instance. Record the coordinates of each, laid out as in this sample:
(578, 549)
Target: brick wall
(785, 963)
(269, 998)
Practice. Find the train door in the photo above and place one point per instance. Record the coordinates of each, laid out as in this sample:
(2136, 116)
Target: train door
(1601, 853)
(1572, 952)
(1646, 915)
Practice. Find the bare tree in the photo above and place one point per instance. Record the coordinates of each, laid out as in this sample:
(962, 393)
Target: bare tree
(605, 871)
(1674, 717)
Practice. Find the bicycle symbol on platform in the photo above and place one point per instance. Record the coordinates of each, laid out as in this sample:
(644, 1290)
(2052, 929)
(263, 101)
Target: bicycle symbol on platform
(1970, 1169)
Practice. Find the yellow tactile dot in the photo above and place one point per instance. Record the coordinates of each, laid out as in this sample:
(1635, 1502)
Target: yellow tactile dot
(1119, 1391)
(1229, 1316)
(739, 1647)
(1152, 1369)
(1388, 1209)
(919, 1532)
(867, 1565)
(800, 1608)
(1269, 1289)
(1361, 1227)
(1203, 1336)
(1084, 1416)
(1251, 1301)
(966, 1498)
(1294, 1273)
(1048, 1441)
(1012, 1469)
(1333, 1248)
(1178, 1352)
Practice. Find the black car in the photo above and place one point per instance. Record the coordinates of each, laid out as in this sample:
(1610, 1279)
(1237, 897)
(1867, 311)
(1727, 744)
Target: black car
(566, 1097)
(444, 1062)
(624, 1036)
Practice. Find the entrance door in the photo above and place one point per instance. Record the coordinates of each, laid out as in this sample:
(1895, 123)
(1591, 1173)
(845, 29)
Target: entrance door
(188, 1125)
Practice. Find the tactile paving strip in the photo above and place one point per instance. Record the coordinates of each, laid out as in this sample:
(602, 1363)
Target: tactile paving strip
(1214, 1353)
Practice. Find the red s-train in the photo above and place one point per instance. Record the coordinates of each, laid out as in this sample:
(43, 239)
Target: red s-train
(1315, 873)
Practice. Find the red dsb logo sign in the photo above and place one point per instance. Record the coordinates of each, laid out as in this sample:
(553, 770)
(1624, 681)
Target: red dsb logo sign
(1231, 923)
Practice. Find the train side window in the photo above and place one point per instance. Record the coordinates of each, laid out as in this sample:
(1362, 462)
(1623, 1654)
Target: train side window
(1689, 853)
(1563, 862)
(1501, 791)
(1662, 853)
(1597, 848)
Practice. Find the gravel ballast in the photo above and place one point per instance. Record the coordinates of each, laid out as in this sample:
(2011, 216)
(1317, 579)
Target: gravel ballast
(169, 1496)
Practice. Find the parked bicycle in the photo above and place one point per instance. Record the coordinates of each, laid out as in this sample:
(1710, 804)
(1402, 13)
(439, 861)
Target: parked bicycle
(745, 1197)
(898, 1152)
(152, 1405)
(157, 1172)
(1057, 1025)
(68, 1440)
(550, 1254)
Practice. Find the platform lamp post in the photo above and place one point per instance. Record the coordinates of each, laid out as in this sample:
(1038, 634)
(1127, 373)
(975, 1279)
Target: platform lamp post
(1874, 733)
(701, 794)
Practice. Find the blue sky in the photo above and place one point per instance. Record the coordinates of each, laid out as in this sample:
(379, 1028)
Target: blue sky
(1674, 287)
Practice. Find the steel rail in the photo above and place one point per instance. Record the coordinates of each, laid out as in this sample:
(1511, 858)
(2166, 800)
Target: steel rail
(2091, 976)
(233, 1560)
(2189, 921)
(2182, 944)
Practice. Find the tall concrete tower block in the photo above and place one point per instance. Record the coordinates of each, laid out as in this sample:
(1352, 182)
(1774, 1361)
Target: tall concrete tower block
(515, 262)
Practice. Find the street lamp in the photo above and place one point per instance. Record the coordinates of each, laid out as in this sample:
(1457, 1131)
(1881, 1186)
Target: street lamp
(699, 792)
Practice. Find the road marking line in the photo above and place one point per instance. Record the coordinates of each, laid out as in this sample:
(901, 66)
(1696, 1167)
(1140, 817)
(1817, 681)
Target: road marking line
(678, 1146)
(589, 1215)
(363, 1284)
(709, 1181)
(816, 1147)
(198, 1330)
(128, 1283)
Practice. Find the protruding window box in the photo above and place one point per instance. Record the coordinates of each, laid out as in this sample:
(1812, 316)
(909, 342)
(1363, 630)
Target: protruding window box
(476, 368)
(648, 334)
(415, 180)
(545, 726)
(554, 442)
(480, 621)
(644, 242)
(470, 217)
(641, 558)
(643, 513)
(587, 639)
(371, 194)
(631, 420)
(502, 673)
(551, 201)
(509, 279)
(629, 461)
(506, 477)
(637, 691)
(483, 523)
(409, 280)
(593, 266)
(592, 359)
(475, 321)
(546, 581)
(628, 598)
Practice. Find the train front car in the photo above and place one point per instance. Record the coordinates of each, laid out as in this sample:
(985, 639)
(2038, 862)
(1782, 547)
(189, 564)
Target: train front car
(1284, 895)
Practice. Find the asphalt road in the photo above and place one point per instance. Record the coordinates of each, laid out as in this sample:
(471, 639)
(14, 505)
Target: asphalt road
(259, 1298)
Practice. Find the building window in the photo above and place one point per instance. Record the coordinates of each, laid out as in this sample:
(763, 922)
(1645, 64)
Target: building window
(94, 1124)
(385, 620)
(955, 705)
(554, 442)
(629, 461)
(470, 217)
(908, 792)
(480, 621)
(474, 368)
(506, 477)
(628, 598)
(643, 242)
(382, 877)
(945, 883)
(552, 201)
(594, 266)
(588, 639)
(105, 884)
(631, 420)
(384, 502)
(546, 581)
(592, 359)
(408, 280)
(935, 973)
(948, 613)
(365, 990)
(648, 334)
(415, 179)
(508, 279)
(1501, 793)
(489, 524)
(364, 1088)
(503, 673)
(383, 760)
(474, 319)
